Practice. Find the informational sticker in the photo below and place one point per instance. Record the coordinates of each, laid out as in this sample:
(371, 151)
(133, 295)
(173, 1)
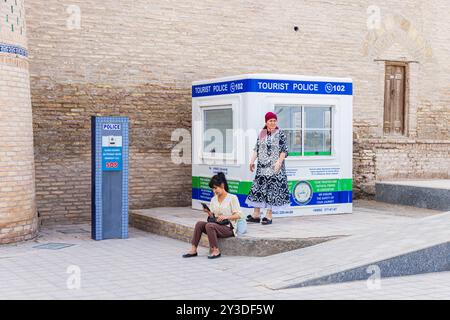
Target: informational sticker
(112, 141)
(291, 172)
(112, 153)
(326, 198)
(216, 170)
(324, 171)
(325, 210)
(111, 158)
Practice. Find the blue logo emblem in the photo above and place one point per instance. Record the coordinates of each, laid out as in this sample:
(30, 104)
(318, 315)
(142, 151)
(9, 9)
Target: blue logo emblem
(302, 192)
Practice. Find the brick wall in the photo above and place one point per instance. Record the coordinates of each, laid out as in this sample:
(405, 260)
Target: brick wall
(390, 159)
(138, 58)
(62, 146)
(18, 217)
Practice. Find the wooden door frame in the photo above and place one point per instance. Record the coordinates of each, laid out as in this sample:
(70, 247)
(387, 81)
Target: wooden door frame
(406, 90)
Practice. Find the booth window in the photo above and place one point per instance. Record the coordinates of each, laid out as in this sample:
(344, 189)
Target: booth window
(317, 131)
(308, 129)
(217, 130)
(290, 120)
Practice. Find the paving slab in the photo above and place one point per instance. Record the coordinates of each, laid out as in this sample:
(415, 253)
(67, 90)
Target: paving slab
(411, 247)
(148, 266)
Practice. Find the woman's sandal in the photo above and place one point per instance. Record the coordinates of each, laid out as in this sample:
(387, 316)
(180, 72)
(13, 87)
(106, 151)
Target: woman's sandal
(189, 255)
(266, 221)
(251, 219)
(214, 257)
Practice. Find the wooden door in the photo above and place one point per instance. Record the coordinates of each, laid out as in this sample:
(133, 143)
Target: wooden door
(394, 100)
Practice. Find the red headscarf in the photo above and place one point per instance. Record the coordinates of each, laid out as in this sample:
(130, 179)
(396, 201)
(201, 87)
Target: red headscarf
(269, 115)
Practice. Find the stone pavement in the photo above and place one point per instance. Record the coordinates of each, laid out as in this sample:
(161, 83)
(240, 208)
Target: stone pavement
(365, 249)
(147, 266)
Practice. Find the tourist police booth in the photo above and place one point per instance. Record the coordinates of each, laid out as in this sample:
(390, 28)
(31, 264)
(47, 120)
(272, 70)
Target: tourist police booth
(314, 112)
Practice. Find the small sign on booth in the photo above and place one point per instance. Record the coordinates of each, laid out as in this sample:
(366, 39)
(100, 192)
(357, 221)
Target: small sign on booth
(112, 153)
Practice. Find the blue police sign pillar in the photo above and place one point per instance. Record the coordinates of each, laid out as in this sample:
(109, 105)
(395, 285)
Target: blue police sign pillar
(109, 178)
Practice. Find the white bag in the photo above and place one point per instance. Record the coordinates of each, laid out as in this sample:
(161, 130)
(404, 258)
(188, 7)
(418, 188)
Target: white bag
(241, 227)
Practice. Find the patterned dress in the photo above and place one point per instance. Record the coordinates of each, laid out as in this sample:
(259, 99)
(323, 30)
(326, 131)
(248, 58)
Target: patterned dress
(270, 188)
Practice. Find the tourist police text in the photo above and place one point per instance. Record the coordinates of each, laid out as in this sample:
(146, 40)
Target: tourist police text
(285, 86)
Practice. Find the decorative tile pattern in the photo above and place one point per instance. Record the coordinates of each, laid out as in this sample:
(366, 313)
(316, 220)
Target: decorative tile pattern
(12, 29)
(8, 48)
(125, 151)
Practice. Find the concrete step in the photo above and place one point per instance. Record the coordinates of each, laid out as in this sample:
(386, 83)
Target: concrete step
(431, 194)
(413, 247)
(178, 223)
(285, 234)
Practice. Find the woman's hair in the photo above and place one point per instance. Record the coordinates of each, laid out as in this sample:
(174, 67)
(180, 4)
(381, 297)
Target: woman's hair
(217, 180)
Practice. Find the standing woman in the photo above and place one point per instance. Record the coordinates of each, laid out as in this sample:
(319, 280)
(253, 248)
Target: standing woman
(270, 187)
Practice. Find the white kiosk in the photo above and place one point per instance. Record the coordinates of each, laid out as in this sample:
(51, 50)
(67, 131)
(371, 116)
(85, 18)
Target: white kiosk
(316, 115)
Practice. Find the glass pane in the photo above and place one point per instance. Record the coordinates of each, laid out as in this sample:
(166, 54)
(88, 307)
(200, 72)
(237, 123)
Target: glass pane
(218, 141)
(318, 117)
(294, 138)
(317, 142)
(290, 121)
(283, 114)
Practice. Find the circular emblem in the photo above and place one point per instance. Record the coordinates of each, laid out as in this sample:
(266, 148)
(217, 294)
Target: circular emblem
(233, 87)
(302, 192)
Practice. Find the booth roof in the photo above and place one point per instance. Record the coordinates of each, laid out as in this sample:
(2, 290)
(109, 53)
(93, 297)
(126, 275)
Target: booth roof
(272, 76)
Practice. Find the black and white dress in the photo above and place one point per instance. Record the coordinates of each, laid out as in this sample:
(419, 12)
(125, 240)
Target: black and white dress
(270, 188)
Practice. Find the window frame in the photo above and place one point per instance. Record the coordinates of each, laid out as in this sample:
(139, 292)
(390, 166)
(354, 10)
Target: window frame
(218, 156)
(406, 97)
(304, 129)
(290, 129)
(314, 104)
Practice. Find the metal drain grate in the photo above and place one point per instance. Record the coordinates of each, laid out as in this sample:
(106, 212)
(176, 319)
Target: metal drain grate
(53, 246)
(73, 231)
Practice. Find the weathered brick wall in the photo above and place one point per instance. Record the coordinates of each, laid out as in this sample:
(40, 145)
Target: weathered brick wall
(388, 159)
(138, 58)
(18, 216)
(62, 146)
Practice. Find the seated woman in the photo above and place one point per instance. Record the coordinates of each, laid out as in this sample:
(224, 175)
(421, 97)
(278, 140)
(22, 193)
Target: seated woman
(223, 206)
